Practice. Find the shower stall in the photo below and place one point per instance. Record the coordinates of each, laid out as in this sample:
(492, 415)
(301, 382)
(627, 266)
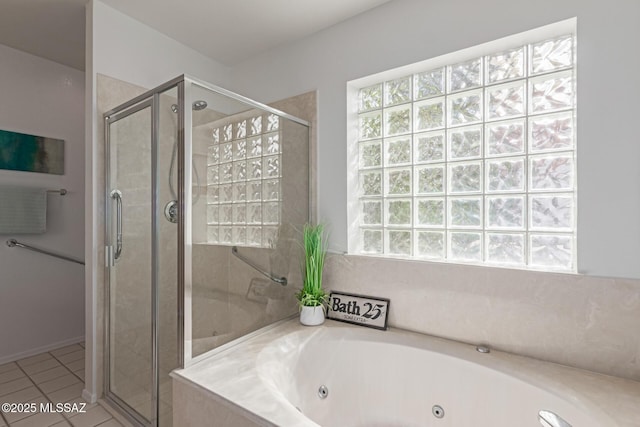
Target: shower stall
(206, 194)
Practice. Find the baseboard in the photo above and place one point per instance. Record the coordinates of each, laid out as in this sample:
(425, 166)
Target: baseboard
(38, 350)
(88, 396)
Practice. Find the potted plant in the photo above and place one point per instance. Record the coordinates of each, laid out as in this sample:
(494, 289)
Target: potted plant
(312, 297)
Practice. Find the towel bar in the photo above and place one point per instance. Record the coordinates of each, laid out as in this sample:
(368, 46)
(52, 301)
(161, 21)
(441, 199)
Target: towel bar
(13, 243)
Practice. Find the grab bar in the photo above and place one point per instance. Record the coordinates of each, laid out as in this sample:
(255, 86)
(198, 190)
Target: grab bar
(13, 243)
(280, 280)
(549, 419)
(62, 191)
(117, 195)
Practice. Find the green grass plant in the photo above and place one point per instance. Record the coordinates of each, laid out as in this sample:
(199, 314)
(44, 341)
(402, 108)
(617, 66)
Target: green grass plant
(315, 250)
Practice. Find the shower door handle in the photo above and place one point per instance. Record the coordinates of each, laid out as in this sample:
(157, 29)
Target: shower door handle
(117, 195)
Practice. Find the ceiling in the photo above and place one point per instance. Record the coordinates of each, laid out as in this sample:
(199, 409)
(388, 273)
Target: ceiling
(228, 31)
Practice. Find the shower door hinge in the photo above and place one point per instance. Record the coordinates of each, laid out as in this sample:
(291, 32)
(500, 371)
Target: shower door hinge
(109, 259)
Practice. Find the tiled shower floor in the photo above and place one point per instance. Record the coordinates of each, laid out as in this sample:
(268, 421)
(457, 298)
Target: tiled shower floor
(56, 376)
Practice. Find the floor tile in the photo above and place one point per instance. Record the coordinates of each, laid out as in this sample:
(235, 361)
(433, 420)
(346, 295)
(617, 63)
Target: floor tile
(13, 417)
(15, 385)
(8, 367)
(40, 366)
(34, 359)
(71, 357)
(92, 417)
(78, 401)
(24, 395)
(80, 374)
(67, 393)
(49, 374)
(2, 423)
(58, 383)
(76, 365)
(111, 423)
(43, 419)
(63, 423)
(65, 350)
(11, 375)
(81, 344)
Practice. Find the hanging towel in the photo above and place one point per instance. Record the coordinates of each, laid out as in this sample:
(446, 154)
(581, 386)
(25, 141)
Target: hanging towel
(23, 210)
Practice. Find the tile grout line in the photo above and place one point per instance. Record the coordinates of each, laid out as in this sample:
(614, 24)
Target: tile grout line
(64, 415)
(36, 386)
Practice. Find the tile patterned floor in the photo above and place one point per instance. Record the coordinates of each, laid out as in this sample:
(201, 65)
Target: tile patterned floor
(53, 377)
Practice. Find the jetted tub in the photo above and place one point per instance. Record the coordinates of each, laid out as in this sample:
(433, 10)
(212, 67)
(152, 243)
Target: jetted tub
(341, 375)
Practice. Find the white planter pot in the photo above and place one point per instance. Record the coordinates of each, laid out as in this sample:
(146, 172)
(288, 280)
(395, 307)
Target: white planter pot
(312, 316)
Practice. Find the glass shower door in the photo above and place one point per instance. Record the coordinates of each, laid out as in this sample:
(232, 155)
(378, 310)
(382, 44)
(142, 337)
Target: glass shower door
(130, 373)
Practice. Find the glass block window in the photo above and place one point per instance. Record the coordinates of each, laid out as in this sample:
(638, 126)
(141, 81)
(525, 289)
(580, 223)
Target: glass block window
(472, 162)
(244, 197)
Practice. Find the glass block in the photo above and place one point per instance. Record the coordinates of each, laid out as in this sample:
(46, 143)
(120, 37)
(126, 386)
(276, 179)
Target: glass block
(273, 122)
(213, 175)
(428, 84)
(370, 154)
(552, 251)
(465, 212)
(465, 108)
(552, 132)
(465, 143)
(465, 75)
(255, 169)
(215, 136)
(371, 241)
(271, 189)
(371, 183)
(271, 166)
(254, 213)
(226, 172)
(399, 242)
(429, 114)
(271, 213)
(213, 194)
(371, 212)
(226, 193)
(239, 213)
(398, 181)
(370, 125)
(239, 192)
(551, 92)
(398, 212)
(397, 151)
(370, 98)
(552, 212)
(505, 138)
(551, 173)
(551, 55)
(505, 101)
(239, 235)
(505, 248)
(429, 179)
(226, 152)
(506, 65)
(239, 171)
(240, 149)
(254, 236)
(465, 246)
(227, 132)
(397, 91)
(505, 212)
(226, 214)
(226, 235)
(213, 154)
(429, 213)
(430, 244)
(429, 147)
(465, 177)
(241, 129)
(270, 237)
(254, 191)
(213, 234)
(272, 145)
(505, 175)
(397, 120)
(254, 147)
(255, 127)
(212, 214)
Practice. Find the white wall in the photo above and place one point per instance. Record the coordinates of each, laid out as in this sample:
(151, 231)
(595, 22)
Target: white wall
(42, 298)
(406, 31)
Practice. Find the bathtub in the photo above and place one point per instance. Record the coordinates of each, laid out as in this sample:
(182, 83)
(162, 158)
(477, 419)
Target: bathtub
(343, 375)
